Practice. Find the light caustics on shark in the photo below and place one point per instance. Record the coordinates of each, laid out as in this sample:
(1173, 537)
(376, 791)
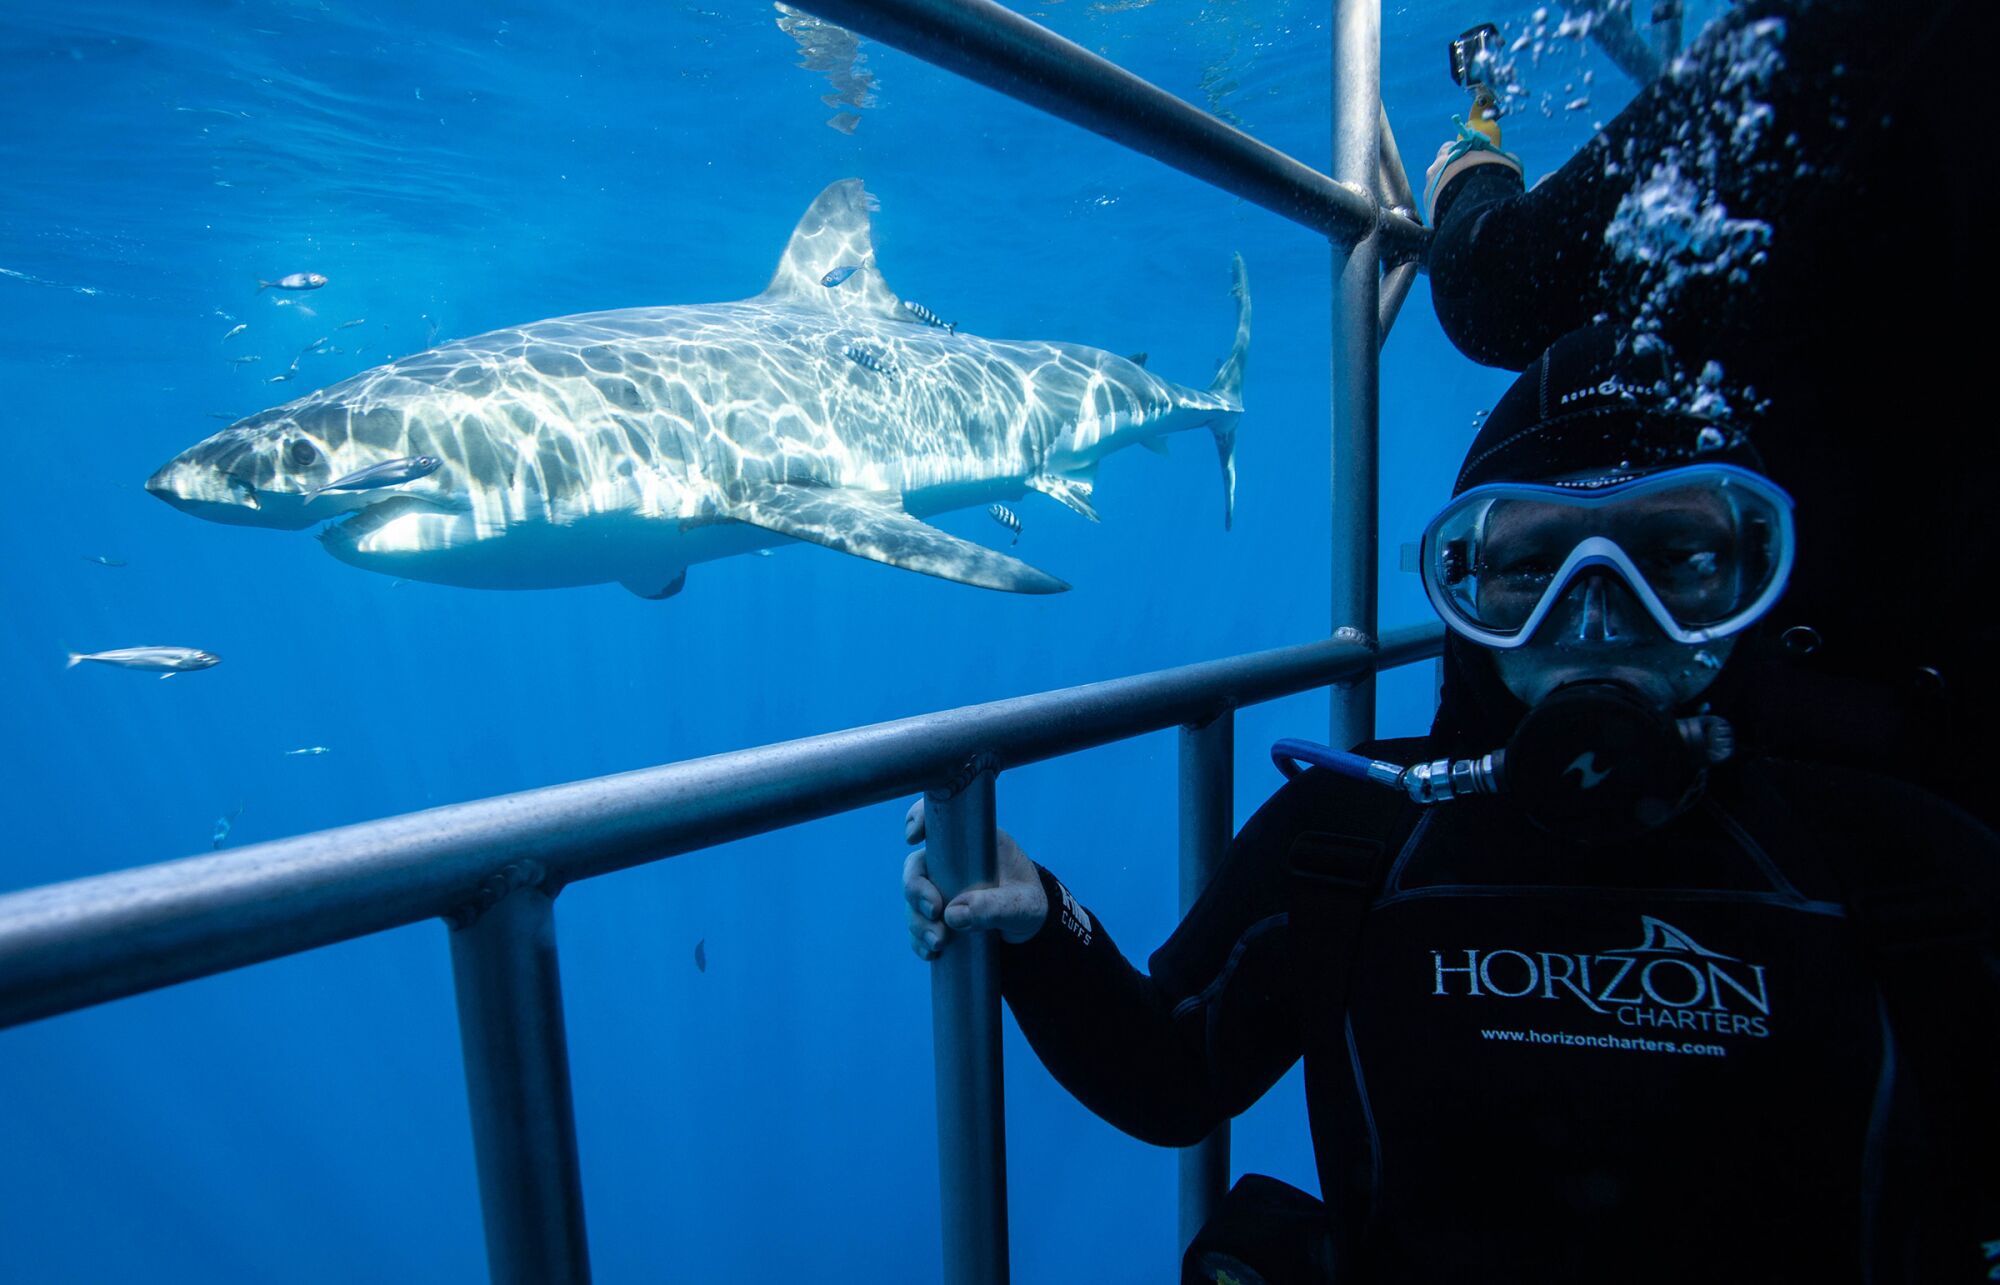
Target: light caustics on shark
(626, 446)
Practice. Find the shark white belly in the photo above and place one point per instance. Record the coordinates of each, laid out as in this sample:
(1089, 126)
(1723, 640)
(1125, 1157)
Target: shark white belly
(626, 446)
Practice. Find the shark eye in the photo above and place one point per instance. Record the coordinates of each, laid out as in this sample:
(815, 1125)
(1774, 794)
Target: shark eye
(301, 453)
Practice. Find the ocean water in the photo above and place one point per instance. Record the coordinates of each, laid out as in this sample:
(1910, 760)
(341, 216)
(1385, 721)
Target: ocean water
(454, 168)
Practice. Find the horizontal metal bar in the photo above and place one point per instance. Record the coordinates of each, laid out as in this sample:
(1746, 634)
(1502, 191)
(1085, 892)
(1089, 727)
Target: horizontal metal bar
(1612, 29)
(1002, 50)
(69, 945)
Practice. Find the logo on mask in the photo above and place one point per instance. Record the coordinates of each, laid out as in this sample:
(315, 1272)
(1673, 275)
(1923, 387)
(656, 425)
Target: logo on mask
(1585, 767)
(1668, 981)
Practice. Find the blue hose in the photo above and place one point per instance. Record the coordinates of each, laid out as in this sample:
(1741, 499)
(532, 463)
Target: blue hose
(1289, 753)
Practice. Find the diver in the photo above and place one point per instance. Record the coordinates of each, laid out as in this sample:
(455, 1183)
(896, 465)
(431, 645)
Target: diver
(1792, 213)
(1587, 986)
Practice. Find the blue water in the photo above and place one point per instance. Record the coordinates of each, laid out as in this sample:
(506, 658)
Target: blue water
(471, 166)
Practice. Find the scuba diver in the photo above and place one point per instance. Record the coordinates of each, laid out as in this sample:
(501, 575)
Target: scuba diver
(1792, 213)
(1587, 986)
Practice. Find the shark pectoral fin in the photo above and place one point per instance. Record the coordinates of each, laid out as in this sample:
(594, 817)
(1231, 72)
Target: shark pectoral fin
(877, 529)
(651, 590)
(1073, 492)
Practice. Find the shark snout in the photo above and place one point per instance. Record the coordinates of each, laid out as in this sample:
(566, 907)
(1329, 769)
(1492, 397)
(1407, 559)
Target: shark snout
(211, 490)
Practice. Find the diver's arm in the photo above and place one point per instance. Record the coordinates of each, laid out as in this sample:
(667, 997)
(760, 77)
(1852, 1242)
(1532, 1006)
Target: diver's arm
(1168, 1054)
(1513, 269)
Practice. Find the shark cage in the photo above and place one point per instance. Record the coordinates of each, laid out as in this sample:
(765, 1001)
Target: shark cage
(492, 867)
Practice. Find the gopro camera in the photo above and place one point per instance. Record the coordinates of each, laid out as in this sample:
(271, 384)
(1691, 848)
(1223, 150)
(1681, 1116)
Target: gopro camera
(1468, 55)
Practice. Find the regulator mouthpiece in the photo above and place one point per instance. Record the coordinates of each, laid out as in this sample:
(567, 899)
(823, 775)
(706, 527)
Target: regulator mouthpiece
(1593, 762)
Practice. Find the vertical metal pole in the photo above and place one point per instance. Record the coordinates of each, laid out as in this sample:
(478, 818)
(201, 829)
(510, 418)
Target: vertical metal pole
(1357, 164)
(510, 1022)
(1208, 820)
(962, 852)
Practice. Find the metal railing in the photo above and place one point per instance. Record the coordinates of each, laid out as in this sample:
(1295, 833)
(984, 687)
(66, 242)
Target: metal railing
(492, 868)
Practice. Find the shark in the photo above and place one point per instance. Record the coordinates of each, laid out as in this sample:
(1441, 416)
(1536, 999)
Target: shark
(626, 446)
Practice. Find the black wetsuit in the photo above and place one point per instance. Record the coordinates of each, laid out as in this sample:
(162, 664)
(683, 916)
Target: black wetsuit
(1865, 330)
(1678, 1059)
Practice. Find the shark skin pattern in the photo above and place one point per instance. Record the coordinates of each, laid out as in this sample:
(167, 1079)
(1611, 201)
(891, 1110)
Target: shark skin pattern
(628, 445)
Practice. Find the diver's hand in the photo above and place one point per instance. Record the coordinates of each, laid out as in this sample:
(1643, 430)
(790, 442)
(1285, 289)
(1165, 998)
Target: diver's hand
(1015, 907)
(1455, 156)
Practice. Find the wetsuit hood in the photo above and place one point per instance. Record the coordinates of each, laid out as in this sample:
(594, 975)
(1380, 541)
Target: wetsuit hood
(1601, 404)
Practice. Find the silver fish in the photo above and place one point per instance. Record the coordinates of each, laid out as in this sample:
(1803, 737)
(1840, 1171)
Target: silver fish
(164, 661)
(310, 749)
(245, 360)
(838, 275)
(701, 955)
(103, 561)
(1006, 517)
(928, 317)
(387, 473)
(223, 825)
(358, 321)
(240, 328)
(316, 345)
(294, 281)
(279, 379)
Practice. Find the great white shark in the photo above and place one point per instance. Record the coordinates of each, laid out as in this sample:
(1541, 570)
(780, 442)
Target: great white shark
(628, 445)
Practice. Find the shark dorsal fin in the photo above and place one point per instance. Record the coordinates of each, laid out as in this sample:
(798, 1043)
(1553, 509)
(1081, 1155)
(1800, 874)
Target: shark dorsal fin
(833, 236)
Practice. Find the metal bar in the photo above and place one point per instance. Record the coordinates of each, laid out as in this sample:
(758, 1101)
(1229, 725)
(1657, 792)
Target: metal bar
(1666, 31)
(1396, 284)
(510, 1022)
(1002, 50)
(1614, 33)
(961, 851)
(1357, 162)
(1395, 180)
(1208, 821)
(69, 945)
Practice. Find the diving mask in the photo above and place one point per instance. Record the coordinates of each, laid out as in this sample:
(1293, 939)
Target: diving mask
(1704, 548)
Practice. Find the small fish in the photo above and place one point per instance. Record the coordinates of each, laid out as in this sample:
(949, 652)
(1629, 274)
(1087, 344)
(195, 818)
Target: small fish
(316, 345)
(103, 561)
(164, 661)
(294, 281)
(244, 361)
(928, 317)
(222, 827)
(241, 326)
(871, 361)
(358, 321)
(430, 330)
(310, 749)
(701, 956)
(279, 379)
(224, 416)
(838, 275)
(387, 473)
(226, 316)
(762, 553)
(1005, 517)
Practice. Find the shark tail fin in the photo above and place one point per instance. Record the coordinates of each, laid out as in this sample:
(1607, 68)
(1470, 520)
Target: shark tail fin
(1228, 385)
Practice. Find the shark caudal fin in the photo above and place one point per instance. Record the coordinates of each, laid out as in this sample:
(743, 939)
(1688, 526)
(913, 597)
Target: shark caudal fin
(1228, 387)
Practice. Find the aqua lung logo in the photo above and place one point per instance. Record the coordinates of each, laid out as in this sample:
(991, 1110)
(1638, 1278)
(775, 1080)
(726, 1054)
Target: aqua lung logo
(1609, 387)
(1586, 771)
(1666, 982)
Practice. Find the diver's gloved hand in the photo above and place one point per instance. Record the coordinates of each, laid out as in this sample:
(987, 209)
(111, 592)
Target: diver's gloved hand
(1015, 908)
(1473, 146)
